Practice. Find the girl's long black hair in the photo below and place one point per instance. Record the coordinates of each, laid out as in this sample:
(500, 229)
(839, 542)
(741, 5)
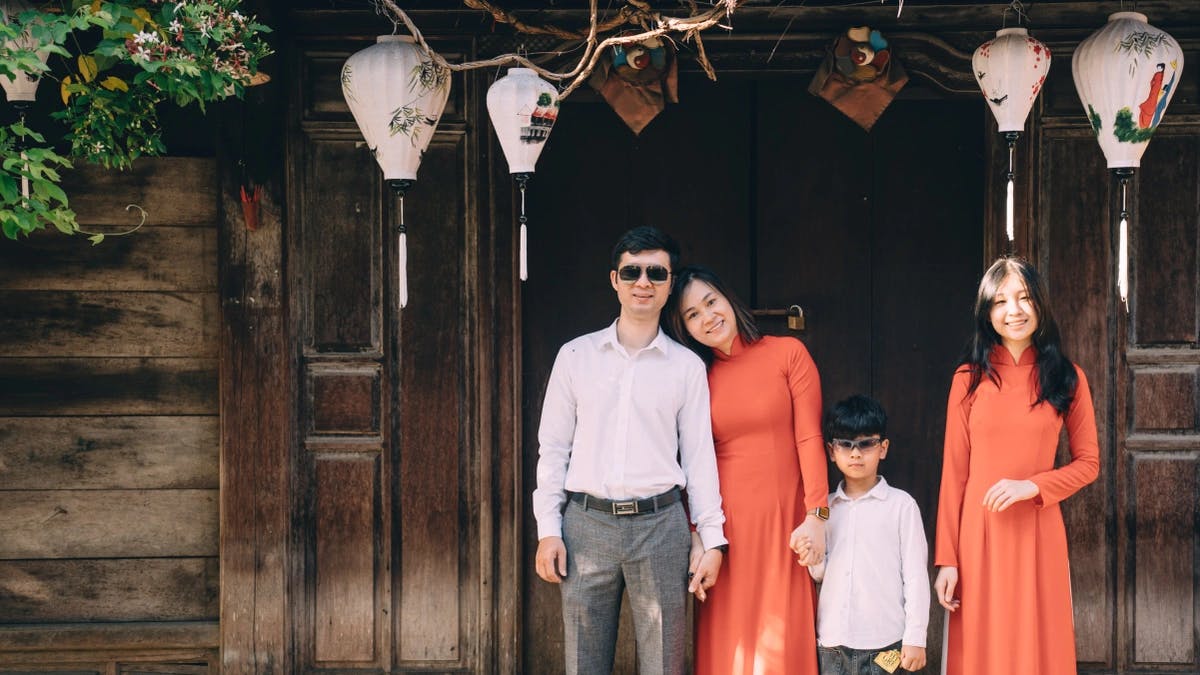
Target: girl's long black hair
(672, 321)
(1056, 374)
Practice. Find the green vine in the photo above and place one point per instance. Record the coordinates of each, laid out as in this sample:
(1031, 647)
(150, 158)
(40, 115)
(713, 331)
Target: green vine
(141, 53)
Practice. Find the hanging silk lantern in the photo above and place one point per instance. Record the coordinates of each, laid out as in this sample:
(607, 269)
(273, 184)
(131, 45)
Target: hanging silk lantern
(523, 108)
(1125, 74)
(20, 88)
(1010, 69)
(397, 93)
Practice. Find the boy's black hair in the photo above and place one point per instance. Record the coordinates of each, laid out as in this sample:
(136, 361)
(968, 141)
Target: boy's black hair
(646, 238)
(855, 416)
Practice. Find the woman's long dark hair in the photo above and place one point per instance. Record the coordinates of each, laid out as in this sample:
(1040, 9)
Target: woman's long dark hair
(1056, 375)
(672, 320)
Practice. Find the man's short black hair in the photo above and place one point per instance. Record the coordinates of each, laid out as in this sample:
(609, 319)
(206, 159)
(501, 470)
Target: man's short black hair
(646, 238)
(855, 416)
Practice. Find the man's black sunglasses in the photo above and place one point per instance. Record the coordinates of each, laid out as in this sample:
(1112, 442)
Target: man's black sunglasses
(655, 273)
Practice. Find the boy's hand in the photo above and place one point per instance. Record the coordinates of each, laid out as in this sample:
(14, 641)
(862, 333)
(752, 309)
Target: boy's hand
(551, 560)
(944, 585)
(806, 556)
(706, 573)
(912, 658)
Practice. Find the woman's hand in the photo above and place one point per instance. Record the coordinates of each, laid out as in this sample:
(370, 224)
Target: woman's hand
(706, 573)
(1007, 492)
(808, 541)
(944, 586)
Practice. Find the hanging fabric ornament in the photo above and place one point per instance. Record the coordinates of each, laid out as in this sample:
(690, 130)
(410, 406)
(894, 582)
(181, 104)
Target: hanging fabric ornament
(1011, 69)
(396, 93)
(1125, 74)
(20, 88)
(523, 108)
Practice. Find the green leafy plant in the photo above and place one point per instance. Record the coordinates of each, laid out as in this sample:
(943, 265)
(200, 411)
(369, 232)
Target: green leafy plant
(143, 53)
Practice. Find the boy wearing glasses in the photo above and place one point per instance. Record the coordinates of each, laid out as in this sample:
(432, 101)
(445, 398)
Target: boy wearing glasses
(625, 426)
(873, 609)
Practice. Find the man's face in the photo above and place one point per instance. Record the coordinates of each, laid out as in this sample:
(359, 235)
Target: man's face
(642, 297)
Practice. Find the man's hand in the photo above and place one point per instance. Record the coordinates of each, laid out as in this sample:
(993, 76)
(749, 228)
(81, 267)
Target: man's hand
(944, 585)
(551, 559)
(706, 573)
(695, 555)
(912, 658)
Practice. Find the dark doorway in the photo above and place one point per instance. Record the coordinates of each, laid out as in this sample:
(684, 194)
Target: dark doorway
(878, 236)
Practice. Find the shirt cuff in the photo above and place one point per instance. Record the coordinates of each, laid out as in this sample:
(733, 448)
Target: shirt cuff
(712, 536)
(915, 636)
(549, 526)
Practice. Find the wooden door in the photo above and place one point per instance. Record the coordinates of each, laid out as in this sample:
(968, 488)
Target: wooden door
(877, 236)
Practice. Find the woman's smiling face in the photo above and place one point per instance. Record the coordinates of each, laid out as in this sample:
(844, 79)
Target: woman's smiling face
(708, 316)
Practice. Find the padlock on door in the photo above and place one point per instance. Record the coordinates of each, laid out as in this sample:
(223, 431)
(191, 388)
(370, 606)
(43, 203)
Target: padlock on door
(795, 316)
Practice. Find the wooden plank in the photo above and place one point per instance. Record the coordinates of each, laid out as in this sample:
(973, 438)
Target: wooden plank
(131, 386)
(1163, 357)
(339, 232)
(69, 323)
(344, 602)
(432, 424)
(151, 259)
(110, 636)
(107, 523)
(108, 452)
(345, 401)
(127, 589)
(1164, 557)
(172, 190)
(1165, 399)
(1082, 297)
(1165, 232)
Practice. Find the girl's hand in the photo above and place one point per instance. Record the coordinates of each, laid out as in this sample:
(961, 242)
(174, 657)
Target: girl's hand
(1007, 492)
(944, 585)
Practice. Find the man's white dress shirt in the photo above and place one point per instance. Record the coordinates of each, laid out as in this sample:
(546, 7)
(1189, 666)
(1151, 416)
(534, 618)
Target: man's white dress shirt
(876, 580)
(620, 426)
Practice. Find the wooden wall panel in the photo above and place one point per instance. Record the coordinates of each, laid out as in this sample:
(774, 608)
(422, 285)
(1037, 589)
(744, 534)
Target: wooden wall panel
(1165, 273)
(1165, 400)
(345, 400)
(1072, 233)
(153, 258)
(131, 589)
(172, 190)
(1164, 540)
(68, 323)
(347, 492)
(107, 523)
(339, 244)
(433, 421)
(108, 452)
(104, 386)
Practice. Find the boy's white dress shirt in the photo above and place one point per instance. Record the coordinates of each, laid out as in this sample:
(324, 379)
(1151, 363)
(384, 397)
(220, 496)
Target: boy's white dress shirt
(621, 426)
(876, 584)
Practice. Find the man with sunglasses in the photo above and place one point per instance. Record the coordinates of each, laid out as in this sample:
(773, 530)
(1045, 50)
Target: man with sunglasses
(625, 426)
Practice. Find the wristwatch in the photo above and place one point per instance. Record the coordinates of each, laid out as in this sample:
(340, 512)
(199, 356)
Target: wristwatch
(821, 512)
(723, 548)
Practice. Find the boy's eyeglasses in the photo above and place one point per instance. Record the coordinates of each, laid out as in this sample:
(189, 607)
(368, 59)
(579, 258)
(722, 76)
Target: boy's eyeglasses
(657, 274)
(863, 445)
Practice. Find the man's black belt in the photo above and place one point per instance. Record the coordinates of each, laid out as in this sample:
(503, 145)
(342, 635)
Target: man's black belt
(630, 507)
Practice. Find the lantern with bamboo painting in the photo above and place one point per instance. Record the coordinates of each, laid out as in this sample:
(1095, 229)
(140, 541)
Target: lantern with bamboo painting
(523, 108)
(1010, 69)
(1125, 74)
(396, 92)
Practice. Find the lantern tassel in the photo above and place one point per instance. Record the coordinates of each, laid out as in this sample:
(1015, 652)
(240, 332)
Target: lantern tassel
(1123, 241)
(524, 243)
(1009, 207)
(402, 267)
(24, 177)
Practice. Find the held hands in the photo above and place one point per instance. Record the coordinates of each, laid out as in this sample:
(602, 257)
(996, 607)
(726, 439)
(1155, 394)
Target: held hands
(1007, 492)
(551, 559)
(808, 541)
(912, 658)
(944, 586)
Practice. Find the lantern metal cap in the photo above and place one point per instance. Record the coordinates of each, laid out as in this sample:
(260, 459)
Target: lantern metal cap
(396, 38)
(1016, 30)
(1136, 16)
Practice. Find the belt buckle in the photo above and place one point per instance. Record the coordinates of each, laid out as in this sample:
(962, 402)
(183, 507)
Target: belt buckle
(624, 508)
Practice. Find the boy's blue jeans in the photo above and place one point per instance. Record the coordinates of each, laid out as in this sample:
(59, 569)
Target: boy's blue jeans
(847, 661)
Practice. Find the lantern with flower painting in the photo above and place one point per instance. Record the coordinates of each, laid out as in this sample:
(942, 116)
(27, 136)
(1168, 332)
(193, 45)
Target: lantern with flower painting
(396, 92)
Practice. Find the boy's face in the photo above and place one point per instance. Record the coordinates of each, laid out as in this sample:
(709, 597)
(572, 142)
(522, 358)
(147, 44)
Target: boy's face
(858, 458)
